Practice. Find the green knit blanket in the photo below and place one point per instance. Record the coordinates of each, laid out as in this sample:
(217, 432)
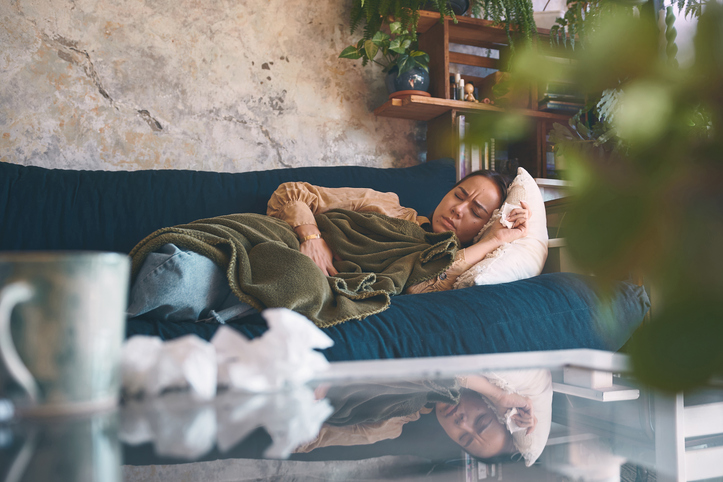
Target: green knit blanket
(380, 256)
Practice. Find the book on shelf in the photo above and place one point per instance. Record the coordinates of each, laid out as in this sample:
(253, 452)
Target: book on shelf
(475, 151)
(462, 157)
(562, 98)
(560, 106)
(475, 157)
(561, 88)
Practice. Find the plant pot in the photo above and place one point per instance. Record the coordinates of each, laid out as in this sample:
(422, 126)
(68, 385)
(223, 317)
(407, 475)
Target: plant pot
(459, 7)
(414, 79)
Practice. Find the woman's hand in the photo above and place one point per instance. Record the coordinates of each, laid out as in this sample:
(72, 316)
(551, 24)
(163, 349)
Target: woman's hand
(503, 400)
(316, 249)
(320, 253)
(524, 417)
(518, 217)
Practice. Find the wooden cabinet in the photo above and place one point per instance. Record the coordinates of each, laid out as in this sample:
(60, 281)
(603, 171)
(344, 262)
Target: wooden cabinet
(442, 114)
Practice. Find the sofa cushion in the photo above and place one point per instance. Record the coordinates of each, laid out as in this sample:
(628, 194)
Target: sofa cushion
(549, 312)
(53, 209)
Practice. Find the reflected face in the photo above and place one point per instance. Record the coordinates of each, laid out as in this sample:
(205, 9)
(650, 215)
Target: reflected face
(467, 208)
(474, 426)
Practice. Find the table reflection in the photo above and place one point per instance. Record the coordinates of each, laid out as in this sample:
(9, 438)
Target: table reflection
(492, 425)
(491, 416)
(82, 449)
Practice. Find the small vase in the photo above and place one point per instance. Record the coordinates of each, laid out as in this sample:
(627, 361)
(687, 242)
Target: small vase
(414, 79)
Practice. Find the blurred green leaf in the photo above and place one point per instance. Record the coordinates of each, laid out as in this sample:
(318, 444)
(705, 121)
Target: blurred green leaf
(371, 49)
(380, 38)
(644, 111)
(681, 349)
(350, 52)
(395, 28)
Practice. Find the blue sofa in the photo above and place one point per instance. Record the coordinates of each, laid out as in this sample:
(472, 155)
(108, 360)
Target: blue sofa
(49, 209)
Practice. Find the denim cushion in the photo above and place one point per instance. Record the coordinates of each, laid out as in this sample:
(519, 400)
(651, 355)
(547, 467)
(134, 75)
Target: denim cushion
(549, 312)
(57, 209)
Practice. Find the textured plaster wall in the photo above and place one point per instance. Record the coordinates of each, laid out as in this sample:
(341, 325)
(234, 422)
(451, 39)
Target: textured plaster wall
(222, 85)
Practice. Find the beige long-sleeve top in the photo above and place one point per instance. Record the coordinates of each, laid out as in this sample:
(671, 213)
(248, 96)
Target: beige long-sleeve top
(297, 202)
(360, 434)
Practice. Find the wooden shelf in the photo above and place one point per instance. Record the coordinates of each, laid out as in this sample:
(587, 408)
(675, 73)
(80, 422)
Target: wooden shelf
(443, 114)
(427, 20)
(422, 108)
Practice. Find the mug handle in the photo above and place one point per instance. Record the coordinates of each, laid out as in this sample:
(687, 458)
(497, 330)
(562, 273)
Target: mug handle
(10, 296)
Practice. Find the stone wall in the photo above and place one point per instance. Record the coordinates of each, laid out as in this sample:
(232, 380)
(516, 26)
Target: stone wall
(222, 85)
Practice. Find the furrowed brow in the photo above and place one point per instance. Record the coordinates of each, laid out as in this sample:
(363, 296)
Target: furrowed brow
(478, 204)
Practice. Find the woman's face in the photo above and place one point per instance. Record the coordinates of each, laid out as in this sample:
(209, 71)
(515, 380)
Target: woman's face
(467, 208)
(473, 425)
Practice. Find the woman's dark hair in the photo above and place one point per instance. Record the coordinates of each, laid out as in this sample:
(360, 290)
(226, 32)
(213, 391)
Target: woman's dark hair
(500, 180)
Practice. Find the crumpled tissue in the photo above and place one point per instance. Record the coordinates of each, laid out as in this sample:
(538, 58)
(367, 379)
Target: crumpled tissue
(151, 366)
(283, 357)
(177, 426)
(291, 418)
(505, 211)
(183, 428)
(511, 424)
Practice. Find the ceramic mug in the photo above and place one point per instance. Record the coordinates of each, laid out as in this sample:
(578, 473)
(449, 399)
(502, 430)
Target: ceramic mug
(62, 326)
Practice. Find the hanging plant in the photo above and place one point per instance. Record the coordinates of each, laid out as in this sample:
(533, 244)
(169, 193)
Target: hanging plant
(514, 15)
(376, 13)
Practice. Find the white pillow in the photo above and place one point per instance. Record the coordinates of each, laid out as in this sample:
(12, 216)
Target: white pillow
(537, 385)
(523, 258)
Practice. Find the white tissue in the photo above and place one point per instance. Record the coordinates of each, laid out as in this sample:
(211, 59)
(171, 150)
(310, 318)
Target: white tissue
(511, 425)
(183, 428)
(505, 211)
(150, 366)
(291, 418)
(284, 357)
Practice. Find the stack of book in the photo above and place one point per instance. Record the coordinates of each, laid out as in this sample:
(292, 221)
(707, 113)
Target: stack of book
(562, 97)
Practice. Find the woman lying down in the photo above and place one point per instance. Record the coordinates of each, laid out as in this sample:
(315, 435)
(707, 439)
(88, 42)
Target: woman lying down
(492, 415)
(332, 254)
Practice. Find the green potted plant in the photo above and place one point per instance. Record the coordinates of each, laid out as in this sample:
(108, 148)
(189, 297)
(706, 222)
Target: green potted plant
(406, 67)
(390, 32)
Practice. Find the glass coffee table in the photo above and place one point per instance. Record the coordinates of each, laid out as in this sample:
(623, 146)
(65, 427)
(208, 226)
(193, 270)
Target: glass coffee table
(537, 416)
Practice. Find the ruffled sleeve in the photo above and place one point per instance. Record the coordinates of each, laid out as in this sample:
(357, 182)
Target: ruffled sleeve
(298, 202)
(444, 281)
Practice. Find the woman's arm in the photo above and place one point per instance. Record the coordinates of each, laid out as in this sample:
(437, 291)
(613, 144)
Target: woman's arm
(298, 202)
(503, 400)
(497, 235)
(359, 434)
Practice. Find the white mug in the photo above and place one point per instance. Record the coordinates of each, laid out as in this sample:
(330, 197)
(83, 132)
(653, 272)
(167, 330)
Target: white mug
(62, 326)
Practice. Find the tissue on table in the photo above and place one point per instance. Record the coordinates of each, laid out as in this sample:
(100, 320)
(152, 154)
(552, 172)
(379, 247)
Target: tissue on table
(284, 356)
(183, 428)
(505, 211)
(150, 366)
(291, 418)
